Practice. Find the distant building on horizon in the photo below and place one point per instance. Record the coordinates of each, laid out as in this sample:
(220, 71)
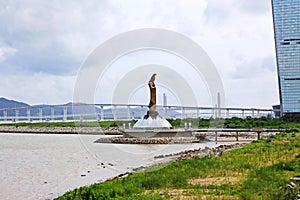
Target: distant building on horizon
(286, 21)
(165, 101)
(276, 109)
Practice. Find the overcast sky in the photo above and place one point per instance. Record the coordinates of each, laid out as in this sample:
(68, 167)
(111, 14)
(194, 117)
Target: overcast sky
(43, 43)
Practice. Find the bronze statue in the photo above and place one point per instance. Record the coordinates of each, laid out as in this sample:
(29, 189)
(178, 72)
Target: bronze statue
(152, 104)
(152, 120)
(151, 84)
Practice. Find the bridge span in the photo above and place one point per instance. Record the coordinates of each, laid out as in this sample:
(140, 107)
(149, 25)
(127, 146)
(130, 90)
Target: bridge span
(100, 112)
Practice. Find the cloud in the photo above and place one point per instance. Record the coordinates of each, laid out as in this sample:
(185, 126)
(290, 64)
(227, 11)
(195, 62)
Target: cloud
(219, 12)
(255, 7)
(38, 88)
(6, 52)
(240, 92)
(251, 69)
(51, 37)
(48, 39)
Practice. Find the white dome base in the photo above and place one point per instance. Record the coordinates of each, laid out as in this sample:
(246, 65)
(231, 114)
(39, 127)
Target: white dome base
(152, 123)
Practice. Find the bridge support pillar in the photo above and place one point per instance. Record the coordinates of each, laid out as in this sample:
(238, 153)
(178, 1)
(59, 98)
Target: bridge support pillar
(165, 112)
(52, 113)
(128, 113)
(17, 115)
(115, 113)
(142, 114)
(65, 113)
(5, 115)
(169, 111)
(102, 113)
(182, 113)
(213, 112)
(41, 113)
(28, 114)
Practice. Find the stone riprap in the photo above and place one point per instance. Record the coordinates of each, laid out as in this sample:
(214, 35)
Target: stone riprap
(217, 151)
(157, 140)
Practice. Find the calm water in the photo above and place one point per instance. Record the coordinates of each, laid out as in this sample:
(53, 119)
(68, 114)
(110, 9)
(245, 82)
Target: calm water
(41, 166)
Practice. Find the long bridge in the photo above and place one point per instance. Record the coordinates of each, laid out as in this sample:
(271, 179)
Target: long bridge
(99, 112)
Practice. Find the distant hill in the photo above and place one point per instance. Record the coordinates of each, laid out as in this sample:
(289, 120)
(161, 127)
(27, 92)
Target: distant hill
(6, 103)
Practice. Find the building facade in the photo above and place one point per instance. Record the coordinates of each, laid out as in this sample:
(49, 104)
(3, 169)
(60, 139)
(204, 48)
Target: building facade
(286, 19)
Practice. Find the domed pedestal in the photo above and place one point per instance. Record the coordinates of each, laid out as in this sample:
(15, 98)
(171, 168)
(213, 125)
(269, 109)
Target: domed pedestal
(154, 126)
(157, 122)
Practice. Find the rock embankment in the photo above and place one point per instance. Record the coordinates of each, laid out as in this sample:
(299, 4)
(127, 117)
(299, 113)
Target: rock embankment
(217, 151)
(60, 130)
(154, 140)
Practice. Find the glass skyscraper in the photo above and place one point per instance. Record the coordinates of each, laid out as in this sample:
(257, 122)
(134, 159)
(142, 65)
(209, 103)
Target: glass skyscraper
(286, 19)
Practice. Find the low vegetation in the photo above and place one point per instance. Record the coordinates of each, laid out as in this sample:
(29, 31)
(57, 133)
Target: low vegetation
(248, 122)
(259, 170)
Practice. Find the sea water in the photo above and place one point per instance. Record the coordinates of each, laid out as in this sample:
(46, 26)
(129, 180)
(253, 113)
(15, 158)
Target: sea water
(44, 166)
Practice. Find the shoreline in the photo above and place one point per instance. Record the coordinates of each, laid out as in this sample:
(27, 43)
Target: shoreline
(251, 171)
(61, 130)
(164, 159)
(90, 171)
(175, 157)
